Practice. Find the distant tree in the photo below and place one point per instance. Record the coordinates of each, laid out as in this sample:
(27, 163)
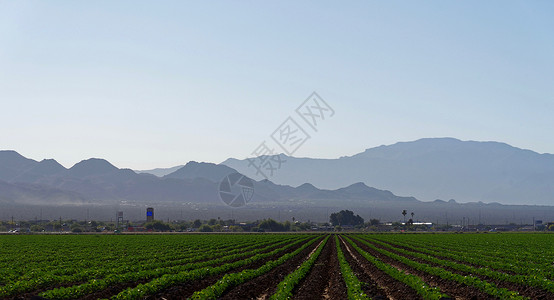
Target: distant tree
(197, 223)
(205, 228)
(271, 225)
(234, 228)
(303, 226)
(212, 222)
(404, 213)
(287, 226)
(396, 225)
(36, 228)
(157, 225)
(345, 217)
(374, 222)
(217, 227)
(182, 226)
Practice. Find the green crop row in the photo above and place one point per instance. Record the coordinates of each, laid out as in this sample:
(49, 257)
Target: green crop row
(95, 285)
(98, 277)
(487, 287)
(168, 280)
(285, 287)
(37, 279)
(416, 283)
(531, 280)
(506, 262)
(534, 252)
(353, 286)
(118, 251)
(230, 280)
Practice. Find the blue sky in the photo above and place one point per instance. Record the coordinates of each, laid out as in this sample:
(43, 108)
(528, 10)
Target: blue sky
(150, 84)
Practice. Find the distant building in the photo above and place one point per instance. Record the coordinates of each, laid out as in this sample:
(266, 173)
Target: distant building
(149, 214)
(119, 219)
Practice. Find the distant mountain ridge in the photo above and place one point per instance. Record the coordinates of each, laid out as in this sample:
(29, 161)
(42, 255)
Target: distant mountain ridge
(96, 180)
(209, 171)
(160, 172)
(433, 168)
(27, 185)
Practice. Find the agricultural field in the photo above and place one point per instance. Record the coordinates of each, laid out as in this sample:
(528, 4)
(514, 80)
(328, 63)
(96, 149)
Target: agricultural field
(278, 266)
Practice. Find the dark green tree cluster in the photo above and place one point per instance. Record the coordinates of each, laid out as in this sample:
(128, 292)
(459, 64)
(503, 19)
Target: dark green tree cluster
(158, 225)
(345, 217)
(272, 225)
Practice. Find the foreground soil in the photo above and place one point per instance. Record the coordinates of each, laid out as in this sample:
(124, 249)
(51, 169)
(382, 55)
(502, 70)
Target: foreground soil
(449, 287)
(325, 279)
(262, 287)
(185, 290)
(378, 284)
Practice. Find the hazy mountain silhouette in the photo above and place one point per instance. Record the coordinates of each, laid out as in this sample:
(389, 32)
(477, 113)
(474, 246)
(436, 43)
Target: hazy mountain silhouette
(209, 171)
(25, 193)
(91, 167)
(97, 180)
(436, 168)
(160, 172)
(28, 184)
(12, 165)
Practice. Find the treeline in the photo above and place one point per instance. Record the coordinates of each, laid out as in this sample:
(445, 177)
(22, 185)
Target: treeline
(211, 225)
(214, 225)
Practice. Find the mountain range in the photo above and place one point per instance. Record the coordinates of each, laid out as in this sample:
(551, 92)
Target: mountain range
(474, 172)
(429, 169)
(94, 180)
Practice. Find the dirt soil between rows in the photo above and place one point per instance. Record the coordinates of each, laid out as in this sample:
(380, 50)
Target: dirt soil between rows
(262, 287)
(378, 284)
(185, 290)
(325, 279)
(452, 288)
(527, 291)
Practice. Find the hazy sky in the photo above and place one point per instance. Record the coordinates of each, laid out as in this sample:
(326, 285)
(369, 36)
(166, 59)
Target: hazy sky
(156, 84)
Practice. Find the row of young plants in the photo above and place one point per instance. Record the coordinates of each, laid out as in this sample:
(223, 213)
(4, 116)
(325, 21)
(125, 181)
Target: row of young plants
(233, 279)
(286, 287)
(71, 259)
(95, 285)
(78, 272)
(533, 277)
(484, 286)
(122, 271)
(508, 259)
(415, 282)
(353, 285)
(534, 251)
